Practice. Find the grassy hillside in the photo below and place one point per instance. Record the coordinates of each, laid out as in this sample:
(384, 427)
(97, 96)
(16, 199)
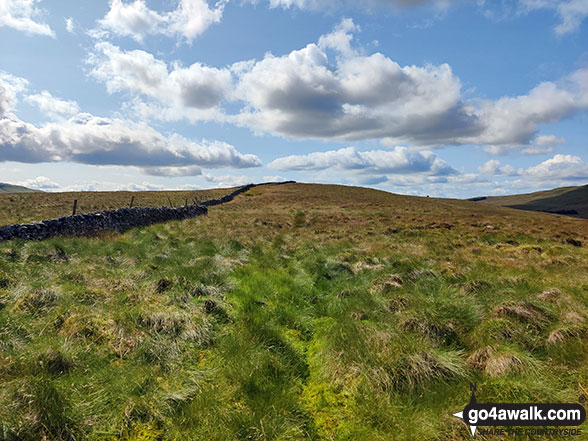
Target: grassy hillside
(9, 188)
(295, 312)
(29, 207)
(571, 201)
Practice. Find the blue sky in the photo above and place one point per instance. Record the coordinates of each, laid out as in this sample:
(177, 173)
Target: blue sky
(427, 97)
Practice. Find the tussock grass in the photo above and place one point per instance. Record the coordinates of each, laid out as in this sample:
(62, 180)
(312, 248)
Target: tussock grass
(495, 361)
(525, 312)
(296, 312)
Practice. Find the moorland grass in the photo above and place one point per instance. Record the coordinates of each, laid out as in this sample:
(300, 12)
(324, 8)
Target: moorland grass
(297, 312)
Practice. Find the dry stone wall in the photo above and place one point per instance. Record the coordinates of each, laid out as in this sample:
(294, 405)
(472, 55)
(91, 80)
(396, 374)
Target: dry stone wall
(119, 220)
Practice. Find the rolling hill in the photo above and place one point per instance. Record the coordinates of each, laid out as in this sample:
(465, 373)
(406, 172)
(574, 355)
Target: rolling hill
(294, 312)
(570, 201)
(9, 188)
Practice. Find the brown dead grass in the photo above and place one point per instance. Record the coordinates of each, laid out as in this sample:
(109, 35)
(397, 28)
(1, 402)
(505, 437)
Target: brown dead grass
(496, 363)
(523, 311)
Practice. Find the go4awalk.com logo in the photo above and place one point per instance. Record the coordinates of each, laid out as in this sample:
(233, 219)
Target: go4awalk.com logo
(562, 418)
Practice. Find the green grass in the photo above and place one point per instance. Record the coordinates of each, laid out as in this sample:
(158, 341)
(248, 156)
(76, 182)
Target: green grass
(297, 312)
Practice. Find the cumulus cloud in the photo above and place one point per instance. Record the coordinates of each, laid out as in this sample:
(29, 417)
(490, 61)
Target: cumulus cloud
(560, 167)
(89, 139)
(340, 38)
(330, 91)
(39, 183)
(193, 92)
(558, 170)
(495, 178)
(93, 140)
(53, 107)
(493, 168)
(21, 15)
(190, 19)
(305, 95)
(516, 120)
(370, 167)
(542, 145)
(10, 87)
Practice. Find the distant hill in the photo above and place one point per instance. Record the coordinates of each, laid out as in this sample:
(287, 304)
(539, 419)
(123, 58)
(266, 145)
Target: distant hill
(9, 188)
(570, 201)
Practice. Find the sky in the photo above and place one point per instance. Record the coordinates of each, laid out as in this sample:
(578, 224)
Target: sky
(424, 97)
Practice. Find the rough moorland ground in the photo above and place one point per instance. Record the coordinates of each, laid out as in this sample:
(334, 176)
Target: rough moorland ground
(296, 312)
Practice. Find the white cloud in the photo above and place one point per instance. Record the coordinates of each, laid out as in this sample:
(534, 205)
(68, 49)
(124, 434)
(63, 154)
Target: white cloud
(117, 186)
(21, 15)
(340, 38)
(308, 95)
(549, 140)
(536, 150)
(305, 95)
(190, 19)
(172, 172)
(369, 5)
(10, 87)
(515, 121)
(274, 178)
(89, 139)
(227, 180)
(493, 168)
(113, 186)
(560, 167)
(560, 170)
(92, 140)
(501, 150)
(495, 178)
(571, 12)
(39, 183)
(193, 92)
(468, 178)
(132, 20)
(69, 25)
(375, 163)
(53, 107)
(542, 145)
